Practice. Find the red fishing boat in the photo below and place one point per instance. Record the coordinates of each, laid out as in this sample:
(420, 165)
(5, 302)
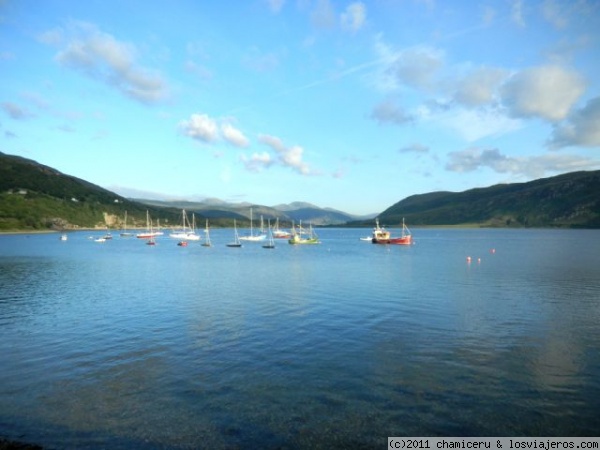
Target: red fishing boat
(383, 236)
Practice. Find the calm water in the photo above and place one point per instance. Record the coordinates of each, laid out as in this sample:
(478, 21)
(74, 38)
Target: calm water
(122, 345)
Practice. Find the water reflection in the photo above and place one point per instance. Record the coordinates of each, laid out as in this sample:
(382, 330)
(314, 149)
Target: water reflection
(340, 344)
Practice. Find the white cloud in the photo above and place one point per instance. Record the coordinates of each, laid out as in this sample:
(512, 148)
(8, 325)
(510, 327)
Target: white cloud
(473, 159)
(389, 112)
(291, 157)
(581, 129)
(480, 86)
(234, 136)
(101, 56)
(417, 67)
(257, 162)
(353, 19)
(200, 127)
(547, 92)
(475, 124)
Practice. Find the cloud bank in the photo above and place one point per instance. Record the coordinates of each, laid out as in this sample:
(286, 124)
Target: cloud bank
(100, 56)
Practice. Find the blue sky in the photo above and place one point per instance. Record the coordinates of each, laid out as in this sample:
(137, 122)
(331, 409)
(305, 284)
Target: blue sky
(349, 105)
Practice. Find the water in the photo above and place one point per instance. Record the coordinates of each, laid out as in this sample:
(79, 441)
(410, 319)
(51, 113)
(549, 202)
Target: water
(123, 345)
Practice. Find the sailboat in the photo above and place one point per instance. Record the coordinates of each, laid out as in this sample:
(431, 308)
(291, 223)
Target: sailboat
(271, 243)
(253, 237)
(187, 232)
(279, 233)
(149, 233)
(206, 242)
(125, 233)
(297, 236)
(151, 240)
(236, 242)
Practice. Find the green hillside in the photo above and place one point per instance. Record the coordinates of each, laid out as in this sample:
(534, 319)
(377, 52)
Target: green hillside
(569, 200)
(37, 197)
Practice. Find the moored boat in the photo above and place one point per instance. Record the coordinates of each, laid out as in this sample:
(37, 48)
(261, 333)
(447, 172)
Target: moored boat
(149, 233)
(236, 238)
(206, 242)
(124, 232)
(278, 233)
(383, 236)
(187, 231)
(271, 242)
(253, 237)
(297, 236)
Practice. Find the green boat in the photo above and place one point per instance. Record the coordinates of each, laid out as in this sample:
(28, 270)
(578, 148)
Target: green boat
(299, 233)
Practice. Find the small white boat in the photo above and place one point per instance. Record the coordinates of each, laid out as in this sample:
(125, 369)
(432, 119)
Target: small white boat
(253, 237)
(187, 231)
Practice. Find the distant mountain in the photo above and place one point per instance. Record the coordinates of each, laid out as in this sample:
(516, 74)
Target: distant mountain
(295, 206)
(569, 200)
(37, 197)
(286, 213)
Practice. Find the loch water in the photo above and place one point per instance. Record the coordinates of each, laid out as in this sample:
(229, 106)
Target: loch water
(339, 345)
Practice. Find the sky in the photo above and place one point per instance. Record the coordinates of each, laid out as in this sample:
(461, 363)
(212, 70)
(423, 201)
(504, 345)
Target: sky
(352, 105)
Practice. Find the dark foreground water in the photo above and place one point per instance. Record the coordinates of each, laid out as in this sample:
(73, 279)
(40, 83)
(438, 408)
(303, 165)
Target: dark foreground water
(122, 345)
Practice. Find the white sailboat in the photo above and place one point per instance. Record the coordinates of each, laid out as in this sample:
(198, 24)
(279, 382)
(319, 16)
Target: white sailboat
(253, 237)
(186, 232)
(149, 233)
(206, 242)
(236, 242)
(271, 242)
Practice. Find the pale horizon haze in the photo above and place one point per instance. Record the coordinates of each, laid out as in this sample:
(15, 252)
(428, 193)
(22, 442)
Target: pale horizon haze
(352, 105)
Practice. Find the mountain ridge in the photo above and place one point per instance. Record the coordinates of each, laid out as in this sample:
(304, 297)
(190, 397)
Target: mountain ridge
(37, 197)
(567, 200)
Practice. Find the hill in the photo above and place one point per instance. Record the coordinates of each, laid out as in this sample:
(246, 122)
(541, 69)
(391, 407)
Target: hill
(287, 213)
(37, 197)
(569, 200)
